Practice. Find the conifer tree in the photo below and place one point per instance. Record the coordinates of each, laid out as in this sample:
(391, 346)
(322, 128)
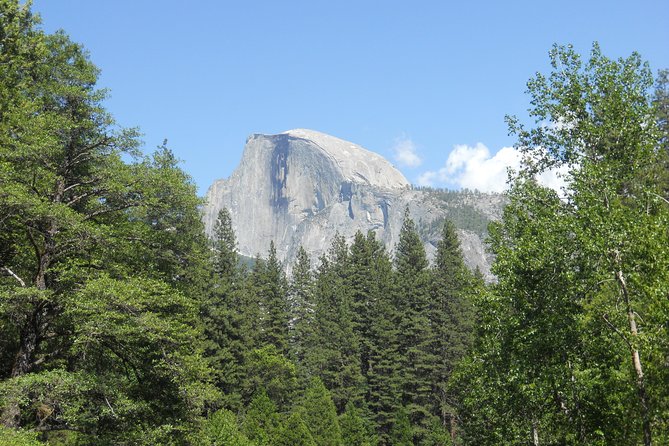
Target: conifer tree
(382, 368)
(320, 415)
(293, 432)
(227, 314)
(226, 259)
(452, 316)
(302, 308)
(221, 429)
(354, 428)
(271, 289)
(261, 420)
(401, 433)
(416, 334)
(335, 356)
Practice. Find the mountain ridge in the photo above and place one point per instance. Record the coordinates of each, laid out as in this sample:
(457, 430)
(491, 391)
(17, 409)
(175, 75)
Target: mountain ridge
(302, 187)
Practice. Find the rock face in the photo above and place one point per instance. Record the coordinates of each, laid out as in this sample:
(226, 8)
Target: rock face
(302, 187)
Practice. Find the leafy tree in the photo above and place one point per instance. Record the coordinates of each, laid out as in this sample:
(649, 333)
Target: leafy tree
(574, 332)
(90, 237)
(13, 437)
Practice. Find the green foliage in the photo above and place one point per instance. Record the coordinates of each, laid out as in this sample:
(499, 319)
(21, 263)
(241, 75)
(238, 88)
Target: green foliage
(13, 437)
(225, 246)
(418, 359)
(320, 415)
(269, 370)
(227, 314)
(293, 433)
(574, 334)
(302, 308)
(452, 318)
(335, 353)
(221, 429)
(401, 433)
(261, 420)
(103, 258)
(270, 287)
(354, 428)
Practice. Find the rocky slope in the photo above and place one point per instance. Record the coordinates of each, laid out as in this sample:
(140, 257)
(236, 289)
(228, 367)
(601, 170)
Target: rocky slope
(302, 187)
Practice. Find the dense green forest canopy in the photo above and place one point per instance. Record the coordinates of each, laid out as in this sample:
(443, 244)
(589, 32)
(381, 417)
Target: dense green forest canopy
(121, 323)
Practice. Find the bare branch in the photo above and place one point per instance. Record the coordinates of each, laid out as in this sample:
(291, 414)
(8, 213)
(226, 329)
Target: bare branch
(11, 273)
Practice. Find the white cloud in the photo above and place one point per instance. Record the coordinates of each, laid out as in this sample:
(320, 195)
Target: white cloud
(474, 167)
(404, 152)
(427, 178)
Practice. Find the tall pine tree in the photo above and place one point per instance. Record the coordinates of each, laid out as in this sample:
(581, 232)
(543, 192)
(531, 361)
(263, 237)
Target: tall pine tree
(416, 334)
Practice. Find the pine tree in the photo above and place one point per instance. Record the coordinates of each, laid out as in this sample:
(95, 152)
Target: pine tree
(271, 289)
(401, 433)
(452, 317)
(335, 355)
(261, 420)
(354, 428)
(227, 314)
(226, 259)
(293, 432)
(383, 361)
(221, 429)
(302, 308)
(416, 334)
(320, 415)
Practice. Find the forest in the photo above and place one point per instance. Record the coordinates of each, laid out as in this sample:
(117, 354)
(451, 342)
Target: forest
(122, 323)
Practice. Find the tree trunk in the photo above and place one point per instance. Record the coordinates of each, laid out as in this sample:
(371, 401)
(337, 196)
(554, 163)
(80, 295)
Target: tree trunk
(535, 434)
(636, 360)
(27, 346)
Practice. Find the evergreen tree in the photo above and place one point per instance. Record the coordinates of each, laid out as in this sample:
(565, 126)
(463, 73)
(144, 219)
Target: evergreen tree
(221, 429)
(402, 433)
(354, 428)
(261, 420)
(226, 259)
(416, 334)
(302, 308)
(227, 314)
(271, 288)
(382, 369)
(273, 372)
(320, 415)
(452, 316)
(335, 355)
(293, 433)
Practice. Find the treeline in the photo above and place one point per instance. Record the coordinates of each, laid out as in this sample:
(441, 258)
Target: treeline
(375, 338)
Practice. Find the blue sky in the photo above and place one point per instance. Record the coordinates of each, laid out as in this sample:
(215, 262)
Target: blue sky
(415, 81)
